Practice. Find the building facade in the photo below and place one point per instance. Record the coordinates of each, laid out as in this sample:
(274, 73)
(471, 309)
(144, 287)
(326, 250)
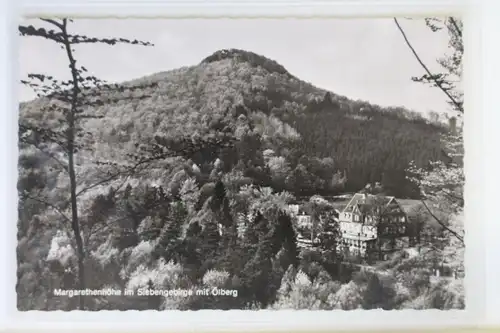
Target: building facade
(371, 224)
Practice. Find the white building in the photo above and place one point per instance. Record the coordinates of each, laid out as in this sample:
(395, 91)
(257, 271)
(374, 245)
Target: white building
(365, 216)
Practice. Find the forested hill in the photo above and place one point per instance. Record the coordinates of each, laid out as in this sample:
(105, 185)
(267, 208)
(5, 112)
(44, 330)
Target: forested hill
(290, 135)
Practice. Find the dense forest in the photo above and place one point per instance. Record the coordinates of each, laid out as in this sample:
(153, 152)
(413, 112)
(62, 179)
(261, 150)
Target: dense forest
(310, 134)
(183, 180)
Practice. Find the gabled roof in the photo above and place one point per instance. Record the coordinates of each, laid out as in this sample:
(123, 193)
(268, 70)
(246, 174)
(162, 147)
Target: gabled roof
(365, 202)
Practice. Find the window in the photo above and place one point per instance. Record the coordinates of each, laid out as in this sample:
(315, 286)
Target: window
(356, 218)
(402, 219)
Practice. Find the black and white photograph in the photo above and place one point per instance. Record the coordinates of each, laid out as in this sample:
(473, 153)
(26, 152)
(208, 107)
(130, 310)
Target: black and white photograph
(240, 164)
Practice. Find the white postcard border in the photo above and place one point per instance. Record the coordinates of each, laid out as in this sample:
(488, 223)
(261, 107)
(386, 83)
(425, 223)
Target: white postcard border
(481, 129)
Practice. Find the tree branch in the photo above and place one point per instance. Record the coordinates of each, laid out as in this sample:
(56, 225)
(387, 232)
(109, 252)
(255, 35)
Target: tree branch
(93, 231)
(437, 82)
(455, 25)
(32, 32)
(115, 175)
(49, 155)
(460, 238)
(54, 207)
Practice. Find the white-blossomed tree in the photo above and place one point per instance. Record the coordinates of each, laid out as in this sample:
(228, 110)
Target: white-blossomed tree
(442, 183)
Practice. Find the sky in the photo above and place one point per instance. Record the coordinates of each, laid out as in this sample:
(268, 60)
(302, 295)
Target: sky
(364, 58)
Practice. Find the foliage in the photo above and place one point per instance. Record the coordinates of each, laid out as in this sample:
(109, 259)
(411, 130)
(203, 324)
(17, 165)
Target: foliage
(183, 180)
(254, 59)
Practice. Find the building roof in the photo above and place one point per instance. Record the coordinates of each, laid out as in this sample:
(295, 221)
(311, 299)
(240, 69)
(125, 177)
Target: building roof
(365, 202)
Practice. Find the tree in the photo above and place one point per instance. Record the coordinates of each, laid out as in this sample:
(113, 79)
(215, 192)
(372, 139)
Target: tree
(418, 218)
(231, 259)
(376, 295)
(219, 195)
(338, 181)
(289, 239)
(70, 98)
(256, 245)
(210, 238)
(442, 198)
(443, 182)
(169, 240)
(441, 185)
(329, 236)
(280, 169)
(190, 194)
(316, 207)
(448, 81)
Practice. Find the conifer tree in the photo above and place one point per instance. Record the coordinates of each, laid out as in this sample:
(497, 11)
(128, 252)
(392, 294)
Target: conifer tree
(374, 293)
(210, 240)
(232, 259)
(191, 251)
(289, 239)
(169, 240)
(329, 237)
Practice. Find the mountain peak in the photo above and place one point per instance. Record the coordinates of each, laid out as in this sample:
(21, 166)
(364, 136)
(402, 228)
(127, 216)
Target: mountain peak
(252, 58)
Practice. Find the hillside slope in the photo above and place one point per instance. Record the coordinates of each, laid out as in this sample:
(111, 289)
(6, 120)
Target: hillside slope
(312, 133)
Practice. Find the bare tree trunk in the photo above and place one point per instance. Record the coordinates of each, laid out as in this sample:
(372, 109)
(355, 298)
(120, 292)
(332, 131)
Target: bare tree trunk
(75, 225)
(76, 230)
